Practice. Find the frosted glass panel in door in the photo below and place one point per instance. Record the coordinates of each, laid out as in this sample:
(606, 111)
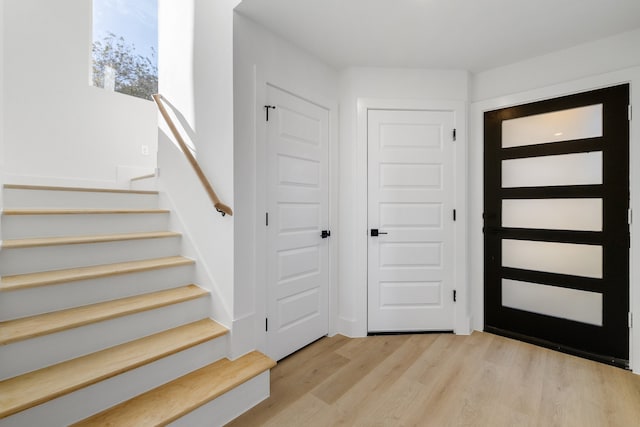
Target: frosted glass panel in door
(565, 125)
(552, 257)
(563, 169)
(553, 214)
(572, 304)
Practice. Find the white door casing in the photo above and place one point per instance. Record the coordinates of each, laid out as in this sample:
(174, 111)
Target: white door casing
(297, 204)
(411, 196)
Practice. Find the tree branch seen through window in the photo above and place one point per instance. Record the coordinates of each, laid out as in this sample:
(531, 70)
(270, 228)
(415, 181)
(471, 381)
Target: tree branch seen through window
(117, 66)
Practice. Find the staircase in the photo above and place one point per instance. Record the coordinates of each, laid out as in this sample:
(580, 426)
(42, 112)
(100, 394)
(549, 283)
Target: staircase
(100, 323)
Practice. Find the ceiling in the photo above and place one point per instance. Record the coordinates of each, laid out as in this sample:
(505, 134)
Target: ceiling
(472, 35)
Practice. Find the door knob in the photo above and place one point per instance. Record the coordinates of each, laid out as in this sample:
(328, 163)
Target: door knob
(375, 232)
(325, 234)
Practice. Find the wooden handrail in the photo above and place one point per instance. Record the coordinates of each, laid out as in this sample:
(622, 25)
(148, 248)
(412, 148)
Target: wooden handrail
(220, 207)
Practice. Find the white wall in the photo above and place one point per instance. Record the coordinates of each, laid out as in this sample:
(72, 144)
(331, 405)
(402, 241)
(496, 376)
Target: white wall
(176, 79)
(609, 54)
(372, 83)
(599, 64)
(2, 130)
(261, 58)
(196, 76)
(58, 128)
(193, 215)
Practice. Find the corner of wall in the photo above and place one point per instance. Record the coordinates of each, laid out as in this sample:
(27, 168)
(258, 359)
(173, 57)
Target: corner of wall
(601, 56)
(242, 339)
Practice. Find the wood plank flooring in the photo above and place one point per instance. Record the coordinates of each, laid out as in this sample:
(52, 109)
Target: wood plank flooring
(444, 380)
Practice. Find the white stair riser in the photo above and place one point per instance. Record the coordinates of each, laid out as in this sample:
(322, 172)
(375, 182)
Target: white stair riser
(28, 226)
(44, 299)
(95, 398)
(48, 258)
(229, 406)
(51, 199)
(50, 349)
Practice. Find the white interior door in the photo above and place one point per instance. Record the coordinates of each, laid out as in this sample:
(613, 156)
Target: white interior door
(298, 201)
(411, 196)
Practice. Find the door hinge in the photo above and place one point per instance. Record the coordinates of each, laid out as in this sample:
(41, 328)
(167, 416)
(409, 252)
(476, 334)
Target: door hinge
(629, 112)
(266, 324)
(454, 214)
(267, 108)
(629, 216)
(455, 296)
(454, 134)
(266, 219)
(630, 320)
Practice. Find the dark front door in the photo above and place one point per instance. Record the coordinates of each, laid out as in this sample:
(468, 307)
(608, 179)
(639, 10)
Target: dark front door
(556, 223)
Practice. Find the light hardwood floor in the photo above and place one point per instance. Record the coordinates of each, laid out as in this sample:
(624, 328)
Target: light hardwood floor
(444, 380)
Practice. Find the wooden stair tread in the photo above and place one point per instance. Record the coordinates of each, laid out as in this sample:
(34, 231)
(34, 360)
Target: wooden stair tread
(74, 240)
(34, 388)
(175, 399)
(80, 189)
(35, 326)
(29, 280)
(82, 211)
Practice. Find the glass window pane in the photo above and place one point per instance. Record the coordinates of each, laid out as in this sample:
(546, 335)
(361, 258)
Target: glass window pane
(564, 169)
(125, 46)
(553, 214)
(552, 257)
(565, 125)
(572, 304)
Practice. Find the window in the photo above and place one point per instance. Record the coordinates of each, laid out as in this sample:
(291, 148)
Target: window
(125, 45)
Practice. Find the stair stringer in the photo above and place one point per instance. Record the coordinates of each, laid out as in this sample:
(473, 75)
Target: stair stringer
(194, 228)
(207, 236)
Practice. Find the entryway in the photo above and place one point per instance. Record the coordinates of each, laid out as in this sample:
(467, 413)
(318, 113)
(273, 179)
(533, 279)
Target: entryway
(556, 223)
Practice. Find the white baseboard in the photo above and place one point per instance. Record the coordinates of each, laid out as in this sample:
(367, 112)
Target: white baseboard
(350, 328)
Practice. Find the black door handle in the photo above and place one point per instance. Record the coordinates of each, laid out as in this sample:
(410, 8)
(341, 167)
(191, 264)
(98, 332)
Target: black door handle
(325, 233)
(375, 232)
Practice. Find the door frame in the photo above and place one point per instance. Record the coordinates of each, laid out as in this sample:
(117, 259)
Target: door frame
(260, 251)
(476, 155)
(462, 318)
